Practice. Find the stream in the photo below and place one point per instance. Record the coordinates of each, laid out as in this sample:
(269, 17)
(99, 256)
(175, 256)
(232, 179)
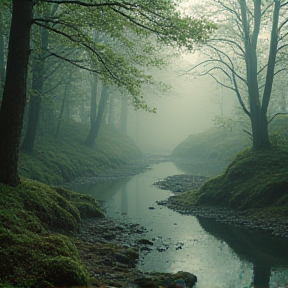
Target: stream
(218, 254)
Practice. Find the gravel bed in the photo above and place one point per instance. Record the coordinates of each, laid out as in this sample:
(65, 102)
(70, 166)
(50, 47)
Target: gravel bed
(241, 218)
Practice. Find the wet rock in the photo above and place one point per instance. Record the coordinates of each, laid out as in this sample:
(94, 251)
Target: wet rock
(122, 258)
(181, 183)
(166, 280)
(145, 242)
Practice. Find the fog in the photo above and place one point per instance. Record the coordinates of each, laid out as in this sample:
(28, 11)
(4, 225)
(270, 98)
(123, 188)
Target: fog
(189, 107)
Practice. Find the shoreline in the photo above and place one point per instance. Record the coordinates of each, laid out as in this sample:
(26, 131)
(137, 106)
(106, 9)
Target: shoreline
(248, 219)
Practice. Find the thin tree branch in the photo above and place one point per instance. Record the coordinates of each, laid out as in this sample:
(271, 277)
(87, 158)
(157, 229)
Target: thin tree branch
(54, 87)
(82, 44)
(279, 113)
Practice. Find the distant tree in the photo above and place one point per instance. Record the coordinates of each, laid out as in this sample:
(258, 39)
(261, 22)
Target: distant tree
(247, 51)
(96, 124)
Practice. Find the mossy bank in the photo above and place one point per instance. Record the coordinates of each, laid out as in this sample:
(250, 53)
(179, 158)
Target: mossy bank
(38, 222)
(35, 221)
(255, 184)
(55, 160)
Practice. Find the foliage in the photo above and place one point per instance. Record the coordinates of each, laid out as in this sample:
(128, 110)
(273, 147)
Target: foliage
(56, 160)
(30, 253)
(121, 50)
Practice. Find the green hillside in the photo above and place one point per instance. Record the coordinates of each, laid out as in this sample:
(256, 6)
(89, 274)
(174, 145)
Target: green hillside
(56, 160)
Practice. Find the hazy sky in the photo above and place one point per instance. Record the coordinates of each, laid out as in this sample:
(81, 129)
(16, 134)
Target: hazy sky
(188, 108)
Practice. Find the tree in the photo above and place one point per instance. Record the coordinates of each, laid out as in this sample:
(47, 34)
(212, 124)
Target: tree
(14, 95)
(36, 93)
(96, 124)
(243, 52)
(163, 20)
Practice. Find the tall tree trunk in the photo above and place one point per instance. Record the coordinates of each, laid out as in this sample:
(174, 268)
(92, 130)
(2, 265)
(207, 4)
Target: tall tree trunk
(111, 112)
(62, 110)
(93, 107)
(258, 117)
(36, 97)
(2, 63)
(14, 95)
(124, 115)
(95, 126)
(261, 274)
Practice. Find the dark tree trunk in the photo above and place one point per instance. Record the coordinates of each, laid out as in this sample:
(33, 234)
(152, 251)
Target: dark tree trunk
(262, 274)
(95, 126)
(124, 115)
(2, 63)
(93, 107)
(111, 112)
(62, 110)
(260, 134)
(14, 95)
(36, 97)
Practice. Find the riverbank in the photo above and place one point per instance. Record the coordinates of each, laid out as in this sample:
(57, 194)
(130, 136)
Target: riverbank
(39, 223)
(252, 193)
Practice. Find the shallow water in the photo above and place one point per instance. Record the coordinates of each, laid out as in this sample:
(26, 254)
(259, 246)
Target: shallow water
(220, 255)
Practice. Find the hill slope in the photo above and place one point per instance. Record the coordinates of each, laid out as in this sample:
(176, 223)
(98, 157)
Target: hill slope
(56, 160)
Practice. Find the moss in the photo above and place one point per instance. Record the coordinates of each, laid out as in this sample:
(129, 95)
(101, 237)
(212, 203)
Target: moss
(56, 160)
(87, 206)
(254, 180)
(29, 251)
(215, 145)
(219, 145)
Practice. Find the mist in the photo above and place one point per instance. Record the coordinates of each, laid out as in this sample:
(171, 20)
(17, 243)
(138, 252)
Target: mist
(189, 107)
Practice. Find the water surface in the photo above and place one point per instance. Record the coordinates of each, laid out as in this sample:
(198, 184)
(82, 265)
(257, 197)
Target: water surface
(220, 255)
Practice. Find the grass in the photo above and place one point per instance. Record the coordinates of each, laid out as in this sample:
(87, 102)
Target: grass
(56, 160)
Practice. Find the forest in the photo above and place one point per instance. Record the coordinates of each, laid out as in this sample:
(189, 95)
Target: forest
(83, 87)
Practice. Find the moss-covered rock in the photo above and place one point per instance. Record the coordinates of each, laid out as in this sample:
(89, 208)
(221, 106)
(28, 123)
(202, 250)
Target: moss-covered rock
(29, 250)
(155, 280)
(254, 180)
(87, 206)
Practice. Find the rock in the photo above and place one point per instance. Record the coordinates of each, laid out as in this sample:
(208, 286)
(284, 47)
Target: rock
(122, 258)
(145, 242)
(177, 280)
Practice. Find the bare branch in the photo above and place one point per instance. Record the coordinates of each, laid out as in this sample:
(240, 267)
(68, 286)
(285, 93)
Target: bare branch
(279, 113)
(267, 7)
(284, 4)
(282, 24)
(250, 134)
(280, 70)
(231, 68)
(228, 41)
(54, 87)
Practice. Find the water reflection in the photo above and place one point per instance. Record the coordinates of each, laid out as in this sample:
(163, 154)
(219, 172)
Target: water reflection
(220, 256)
(262, 250)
